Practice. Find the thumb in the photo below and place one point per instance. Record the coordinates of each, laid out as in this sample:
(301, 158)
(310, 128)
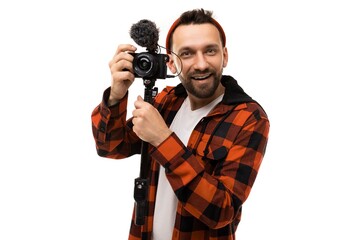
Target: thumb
(139, 102)
(139, 98)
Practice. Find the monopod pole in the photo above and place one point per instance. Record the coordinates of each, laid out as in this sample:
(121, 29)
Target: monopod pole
(141, 187)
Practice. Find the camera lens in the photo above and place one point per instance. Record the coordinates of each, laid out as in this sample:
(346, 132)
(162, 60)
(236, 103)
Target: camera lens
(144, 64)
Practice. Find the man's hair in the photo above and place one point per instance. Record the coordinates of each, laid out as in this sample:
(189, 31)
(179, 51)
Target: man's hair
(196, 16)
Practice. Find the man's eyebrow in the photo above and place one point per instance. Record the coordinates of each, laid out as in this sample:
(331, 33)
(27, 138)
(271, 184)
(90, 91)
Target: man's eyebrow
(186, 48)
(213, 46)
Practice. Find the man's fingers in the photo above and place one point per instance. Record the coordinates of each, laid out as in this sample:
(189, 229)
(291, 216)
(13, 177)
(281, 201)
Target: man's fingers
(125, 47)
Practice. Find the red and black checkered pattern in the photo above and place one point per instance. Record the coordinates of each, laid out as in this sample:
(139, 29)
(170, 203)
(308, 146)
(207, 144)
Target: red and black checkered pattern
(212, 176)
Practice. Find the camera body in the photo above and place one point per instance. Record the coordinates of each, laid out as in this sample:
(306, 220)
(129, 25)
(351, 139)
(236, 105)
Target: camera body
(149, 65)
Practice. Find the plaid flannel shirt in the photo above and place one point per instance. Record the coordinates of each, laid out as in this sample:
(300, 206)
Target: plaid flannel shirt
(212, 176)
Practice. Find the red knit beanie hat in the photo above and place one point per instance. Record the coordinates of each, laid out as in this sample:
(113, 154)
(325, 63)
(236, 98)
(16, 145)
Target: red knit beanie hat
(176, 24)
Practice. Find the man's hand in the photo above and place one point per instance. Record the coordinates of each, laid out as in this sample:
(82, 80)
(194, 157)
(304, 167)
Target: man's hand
(148, 123)
(121, 72)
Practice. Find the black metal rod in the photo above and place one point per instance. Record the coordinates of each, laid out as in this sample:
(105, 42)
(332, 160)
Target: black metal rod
(141, 187)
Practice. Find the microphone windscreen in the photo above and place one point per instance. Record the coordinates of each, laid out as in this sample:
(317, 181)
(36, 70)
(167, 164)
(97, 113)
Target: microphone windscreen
(145, 34)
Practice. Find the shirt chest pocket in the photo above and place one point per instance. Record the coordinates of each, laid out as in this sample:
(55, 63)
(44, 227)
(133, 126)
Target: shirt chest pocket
(212, 156)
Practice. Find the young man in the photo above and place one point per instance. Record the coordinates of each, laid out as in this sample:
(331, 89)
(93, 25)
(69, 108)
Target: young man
(206, 136)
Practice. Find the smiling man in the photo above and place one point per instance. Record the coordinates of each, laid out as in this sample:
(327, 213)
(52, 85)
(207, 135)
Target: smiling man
(203, 57)
(207, 136)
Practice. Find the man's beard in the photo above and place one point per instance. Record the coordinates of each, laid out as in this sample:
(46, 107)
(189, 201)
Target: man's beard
(205, 91)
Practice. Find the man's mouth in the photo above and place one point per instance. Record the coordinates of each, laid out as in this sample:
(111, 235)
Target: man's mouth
(201, 77)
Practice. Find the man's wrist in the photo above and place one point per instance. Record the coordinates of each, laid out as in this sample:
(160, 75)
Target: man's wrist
(162, 137)
(112, 101)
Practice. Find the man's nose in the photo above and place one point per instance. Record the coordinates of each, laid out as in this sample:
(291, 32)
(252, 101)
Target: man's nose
(201, 62)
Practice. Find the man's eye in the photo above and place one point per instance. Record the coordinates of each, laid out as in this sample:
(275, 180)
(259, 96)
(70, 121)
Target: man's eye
(211, 51)
(184, 54)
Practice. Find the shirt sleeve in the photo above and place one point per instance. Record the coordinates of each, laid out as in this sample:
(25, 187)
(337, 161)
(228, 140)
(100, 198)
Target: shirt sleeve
(113, 135)
(215, 198)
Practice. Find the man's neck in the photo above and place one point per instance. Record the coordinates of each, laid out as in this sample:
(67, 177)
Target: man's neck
(197, 103)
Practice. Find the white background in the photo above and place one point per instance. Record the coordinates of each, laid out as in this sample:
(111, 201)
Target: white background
(299, 59)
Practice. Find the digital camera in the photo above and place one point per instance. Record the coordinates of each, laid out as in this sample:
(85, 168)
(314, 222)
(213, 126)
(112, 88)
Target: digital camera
(150, 65)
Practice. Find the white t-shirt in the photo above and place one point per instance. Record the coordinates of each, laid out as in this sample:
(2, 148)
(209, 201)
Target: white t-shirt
(166, 201)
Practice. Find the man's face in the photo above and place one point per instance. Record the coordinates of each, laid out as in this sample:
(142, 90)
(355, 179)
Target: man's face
(202, 56)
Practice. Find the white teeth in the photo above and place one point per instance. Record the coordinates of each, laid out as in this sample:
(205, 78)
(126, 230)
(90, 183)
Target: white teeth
(201, 77)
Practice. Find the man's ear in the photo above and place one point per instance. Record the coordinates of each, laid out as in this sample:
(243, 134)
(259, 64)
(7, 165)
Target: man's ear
(226, 57)
(171, 64)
